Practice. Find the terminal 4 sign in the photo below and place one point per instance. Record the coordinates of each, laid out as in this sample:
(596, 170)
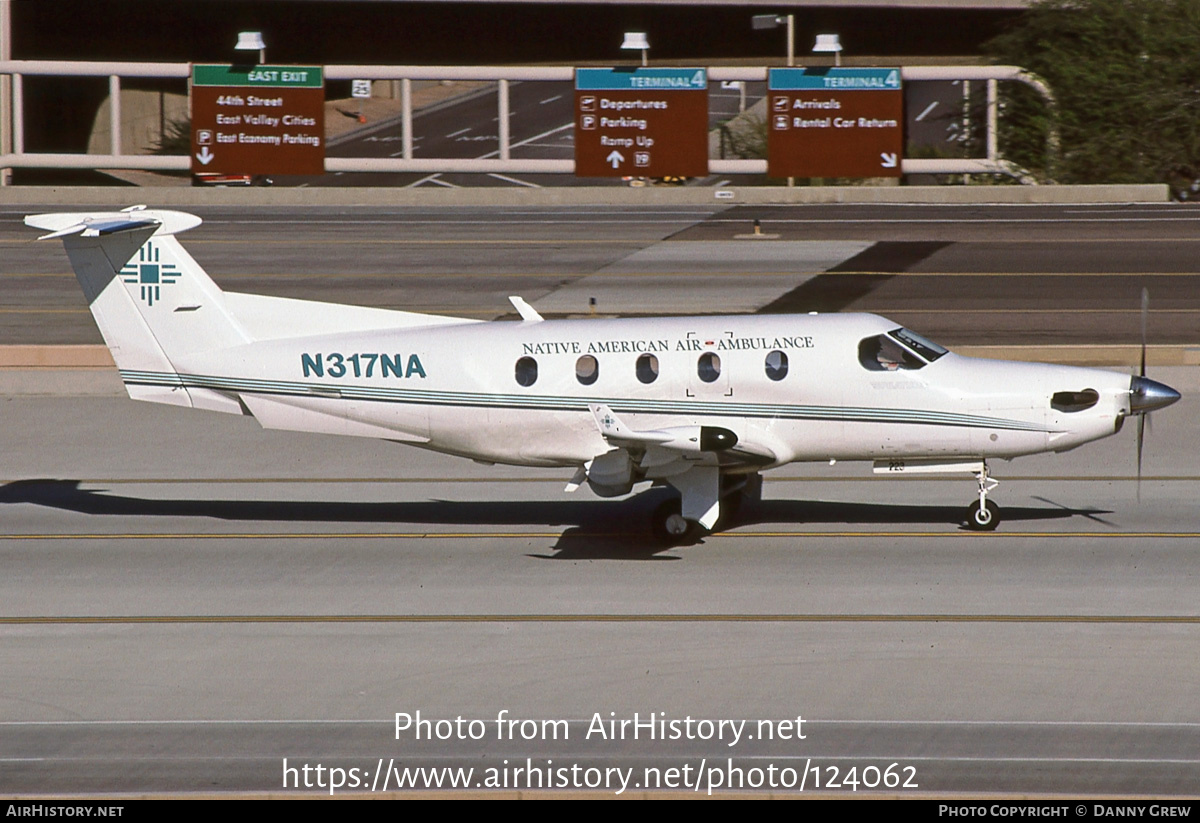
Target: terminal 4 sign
(834, 122)
(641, 122)
(258, 119)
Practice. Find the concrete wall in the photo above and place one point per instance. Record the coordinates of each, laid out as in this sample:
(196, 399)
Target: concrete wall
(144, 115)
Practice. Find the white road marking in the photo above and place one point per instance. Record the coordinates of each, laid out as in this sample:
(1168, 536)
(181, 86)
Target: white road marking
(460, 131)
(432, 178)
(529, 140)
(514, 181)
(550, 99)
(928, 109)
(416, 140)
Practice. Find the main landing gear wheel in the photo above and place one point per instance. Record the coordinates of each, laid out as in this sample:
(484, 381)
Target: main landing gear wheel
(983, 518)
(983, 515)
(671, 528)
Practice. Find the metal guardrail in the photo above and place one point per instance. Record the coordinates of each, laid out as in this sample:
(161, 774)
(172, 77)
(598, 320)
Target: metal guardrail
(14, 156)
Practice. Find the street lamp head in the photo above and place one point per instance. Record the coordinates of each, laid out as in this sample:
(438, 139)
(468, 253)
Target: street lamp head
(635, 40)
(827, 43)
(250, 41)
(767, 21)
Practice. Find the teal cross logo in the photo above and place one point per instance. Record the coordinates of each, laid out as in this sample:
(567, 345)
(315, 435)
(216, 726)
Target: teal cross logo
(150, 273)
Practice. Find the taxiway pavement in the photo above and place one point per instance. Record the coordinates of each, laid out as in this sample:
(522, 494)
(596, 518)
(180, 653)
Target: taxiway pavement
(189, 600)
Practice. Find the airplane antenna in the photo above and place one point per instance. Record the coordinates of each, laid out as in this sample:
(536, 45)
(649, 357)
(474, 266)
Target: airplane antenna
(528, 313)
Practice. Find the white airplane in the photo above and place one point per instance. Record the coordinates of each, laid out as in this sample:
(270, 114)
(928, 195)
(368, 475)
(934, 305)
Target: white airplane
(703, 404)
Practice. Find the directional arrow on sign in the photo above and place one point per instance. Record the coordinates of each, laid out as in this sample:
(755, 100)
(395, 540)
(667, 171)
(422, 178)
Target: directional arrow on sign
(205, 156)
(887, 159)
(616, 158)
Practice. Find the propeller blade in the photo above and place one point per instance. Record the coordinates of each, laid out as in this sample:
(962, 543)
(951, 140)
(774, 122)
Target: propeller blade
(1145, 313)
(1141, 433)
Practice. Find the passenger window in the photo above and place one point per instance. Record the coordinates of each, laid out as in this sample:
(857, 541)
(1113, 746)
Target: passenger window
(587, 369)
(708, 367)
(777, 365)
(526, 371)
(647, 368)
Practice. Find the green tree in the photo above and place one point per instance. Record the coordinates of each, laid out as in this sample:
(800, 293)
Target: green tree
(176, 139)
(1126, 75)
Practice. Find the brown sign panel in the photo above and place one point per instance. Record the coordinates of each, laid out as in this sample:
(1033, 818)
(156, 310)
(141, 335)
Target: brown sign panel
(258, 120)
(835, 122)
(641, 122)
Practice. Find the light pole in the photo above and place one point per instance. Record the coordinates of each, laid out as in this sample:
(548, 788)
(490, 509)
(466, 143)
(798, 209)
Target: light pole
(635, 40)
(6, 112)
(774, 21)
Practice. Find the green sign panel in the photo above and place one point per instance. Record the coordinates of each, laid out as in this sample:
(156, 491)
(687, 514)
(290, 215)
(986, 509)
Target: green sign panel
(280, 77)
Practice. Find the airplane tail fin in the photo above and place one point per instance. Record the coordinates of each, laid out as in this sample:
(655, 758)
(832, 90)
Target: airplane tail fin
(154, 304)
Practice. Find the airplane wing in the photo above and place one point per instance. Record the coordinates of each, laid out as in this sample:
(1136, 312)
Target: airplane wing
(690, 458)
(723, 444)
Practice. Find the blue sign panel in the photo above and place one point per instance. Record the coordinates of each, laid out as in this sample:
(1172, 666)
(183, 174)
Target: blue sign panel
(640, 79)
(833, 79)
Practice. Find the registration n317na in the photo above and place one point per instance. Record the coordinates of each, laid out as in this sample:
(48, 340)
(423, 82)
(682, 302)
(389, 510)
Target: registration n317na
(702, 404)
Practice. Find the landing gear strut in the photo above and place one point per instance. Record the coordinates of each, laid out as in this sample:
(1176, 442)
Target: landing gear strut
(736, 491)
(671, 528)
(983, 515)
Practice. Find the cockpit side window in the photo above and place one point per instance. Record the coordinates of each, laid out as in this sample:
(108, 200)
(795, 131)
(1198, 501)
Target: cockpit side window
(898, 349)
(882, 353)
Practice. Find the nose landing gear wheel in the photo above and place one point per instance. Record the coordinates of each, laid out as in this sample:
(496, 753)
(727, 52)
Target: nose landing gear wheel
(983, 518)
(671, 528)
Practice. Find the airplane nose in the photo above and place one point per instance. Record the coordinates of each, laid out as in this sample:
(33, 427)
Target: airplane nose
(1147, 395)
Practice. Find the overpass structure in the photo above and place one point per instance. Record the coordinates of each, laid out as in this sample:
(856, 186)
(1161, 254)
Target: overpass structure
(14, 154)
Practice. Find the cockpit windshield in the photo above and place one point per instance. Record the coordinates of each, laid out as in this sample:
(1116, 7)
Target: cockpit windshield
(921, 345)
(898, 349)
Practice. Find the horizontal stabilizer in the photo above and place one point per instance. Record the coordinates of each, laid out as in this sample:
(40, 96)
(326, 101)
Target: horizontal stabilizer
(96, 224)
(687, 439)
(617, 433)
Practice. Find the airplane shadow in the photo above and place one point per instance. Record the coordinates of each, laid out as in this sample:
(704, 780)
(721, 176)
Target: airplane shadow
(594, 529)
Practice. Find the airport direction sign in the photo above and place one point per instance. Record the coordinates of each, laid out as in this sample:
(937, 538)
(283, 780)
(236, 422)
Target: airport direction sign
(834, 122)
(641, 122)
(258, 119)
